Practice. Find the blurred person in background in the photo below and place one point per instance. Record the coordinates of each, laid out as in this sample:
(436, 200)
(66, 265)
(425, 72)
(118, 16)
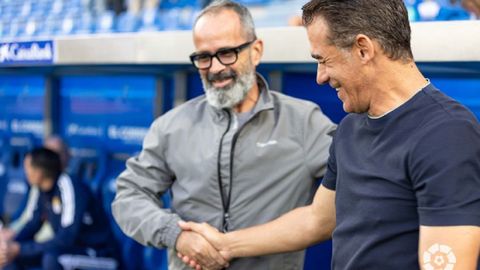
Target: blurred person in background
(58, 145)
(240, 155)
(136, 6)
(471, 5)
(78, 223)
(118, 6)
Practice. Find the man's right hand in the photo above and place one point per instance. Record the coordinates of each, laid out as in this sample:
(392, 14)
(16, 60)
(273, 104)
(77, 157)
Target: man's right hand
(197, 250)
(6, 234)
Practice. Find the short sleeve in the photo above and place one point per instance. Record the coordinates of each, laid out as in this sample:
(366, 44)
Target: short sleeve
(445, 171)
(318, 130)
(330, 178)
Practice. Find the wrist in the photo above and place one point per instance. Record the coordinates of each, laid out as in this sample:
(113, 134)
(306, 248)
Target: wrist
(228, 246)
(170, 237)
(179, 240)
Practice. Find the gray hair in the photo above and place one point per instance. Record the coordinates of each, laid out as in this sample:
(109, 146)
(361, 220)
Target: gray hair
(243, 13)
(385, 21)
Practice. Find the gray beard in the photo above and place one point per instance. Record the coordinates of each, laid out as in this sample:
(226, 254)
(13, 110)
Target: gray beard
(231, 95)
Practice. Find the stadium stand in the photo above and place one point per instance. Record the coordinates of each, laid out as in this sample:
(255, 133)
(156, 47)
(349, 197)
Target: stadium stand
(67, 17)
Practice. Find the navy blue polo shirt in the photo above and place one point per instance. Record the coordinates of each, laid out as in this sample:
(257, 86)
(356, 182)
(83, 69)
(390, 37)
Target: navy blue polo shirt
(417, 165)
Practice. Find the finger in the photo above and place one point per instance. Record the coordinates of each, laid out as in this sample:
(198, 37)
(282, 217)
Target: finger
(193, 264)
(184, 225)
(218, 258)
(190, 262)
(208, 256)
(179, 255)
(202, 229)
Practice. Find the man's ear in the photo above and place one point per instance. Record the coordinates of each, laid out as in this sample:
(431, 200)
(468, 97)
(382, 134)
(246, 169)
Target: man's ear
(257, 51)
(364, 48)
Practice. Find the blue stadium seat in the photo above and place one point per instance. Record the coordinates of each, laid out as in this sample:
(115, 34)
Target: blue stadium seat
(254, 2)
(440, 10)
(26, 9)
(155, 259)
(4, 28)
(132, 252)
(84, 24)
(178, 18)
(51, 26)
(32, 27)
(128, 22)
(105, 22)
(41, 9)
(72, 10)
(17, 187)
(76, 3)
(88, 164)
(7, 13)
(452, 12)
(275, 14)
(57, 7)
(4, 150)
(168, 4)
(150, 21)
(16, 28)
(67, 25)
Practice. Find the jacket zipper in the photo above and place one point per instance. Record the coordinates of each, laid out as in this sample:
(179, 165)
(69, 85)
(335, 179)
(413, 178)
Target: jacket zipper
(226, 217)
(226, 202)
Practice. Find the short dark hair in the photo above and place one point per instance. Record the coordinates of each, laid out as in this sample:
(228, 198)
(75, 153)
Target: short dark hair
(47, 161)
(385, 21)
(248, 26)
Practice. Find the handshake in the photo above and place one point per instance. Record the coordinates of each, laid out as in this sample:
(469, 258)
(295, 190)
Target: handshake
(201, 246)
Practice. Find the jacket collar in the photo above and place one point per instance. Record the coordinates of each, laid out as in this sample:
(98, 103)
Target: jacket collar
(265, 99)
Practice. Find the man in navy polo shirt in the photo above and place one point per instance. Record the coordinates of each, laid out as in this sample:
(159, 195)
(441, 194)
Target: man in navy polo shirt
(402, 189)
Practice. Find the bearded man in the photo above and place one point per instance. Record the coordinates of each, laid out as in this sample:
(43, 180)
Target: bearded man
(238, 156)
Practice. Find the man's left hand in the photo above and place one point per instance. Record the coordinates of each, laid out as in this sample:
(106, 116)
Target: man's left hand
(8, 252)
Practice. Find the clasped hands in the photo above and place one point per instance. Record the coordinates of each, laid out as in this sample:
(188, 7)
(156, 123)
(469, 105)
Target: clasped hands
(201, 247)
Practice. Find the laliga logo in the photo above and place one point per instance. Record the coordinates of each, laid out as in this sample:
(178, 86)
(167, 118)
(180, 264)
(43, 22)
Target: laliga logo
(439, 257)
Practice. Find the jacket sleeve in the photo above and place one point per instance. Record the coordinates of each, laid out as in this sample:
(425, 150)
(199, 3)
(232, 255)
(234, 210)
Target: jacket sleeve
(74, 203)
(137, 207)
(318, 132)
(33, 224)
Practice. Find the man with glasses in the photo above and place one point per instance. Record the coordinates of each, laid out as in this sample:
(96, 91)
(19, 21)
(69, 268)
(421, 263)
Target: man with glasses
(239, 156)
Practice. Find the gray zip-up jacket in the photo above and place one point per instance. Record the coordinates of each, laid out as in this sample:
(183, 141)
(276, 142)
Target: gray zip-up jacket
(229, 175)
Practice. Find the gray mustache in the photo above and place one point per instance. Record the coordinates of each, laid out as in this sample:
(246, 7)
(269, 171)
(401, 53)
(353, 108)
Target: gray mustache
(221, 75)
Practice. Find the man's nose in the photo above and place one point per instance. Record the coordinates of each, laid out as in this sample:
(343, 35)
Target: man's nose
(322, 75)
(216, 66)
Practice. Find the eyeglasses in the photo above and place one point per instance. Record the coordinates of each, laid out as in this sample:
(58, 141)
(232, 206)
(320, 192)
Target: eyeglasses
(227, 56)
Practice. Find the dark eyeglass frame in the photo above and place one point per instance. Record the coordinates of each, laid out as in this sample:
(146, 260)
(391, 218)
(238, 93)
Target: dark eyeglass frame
(236, 50)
